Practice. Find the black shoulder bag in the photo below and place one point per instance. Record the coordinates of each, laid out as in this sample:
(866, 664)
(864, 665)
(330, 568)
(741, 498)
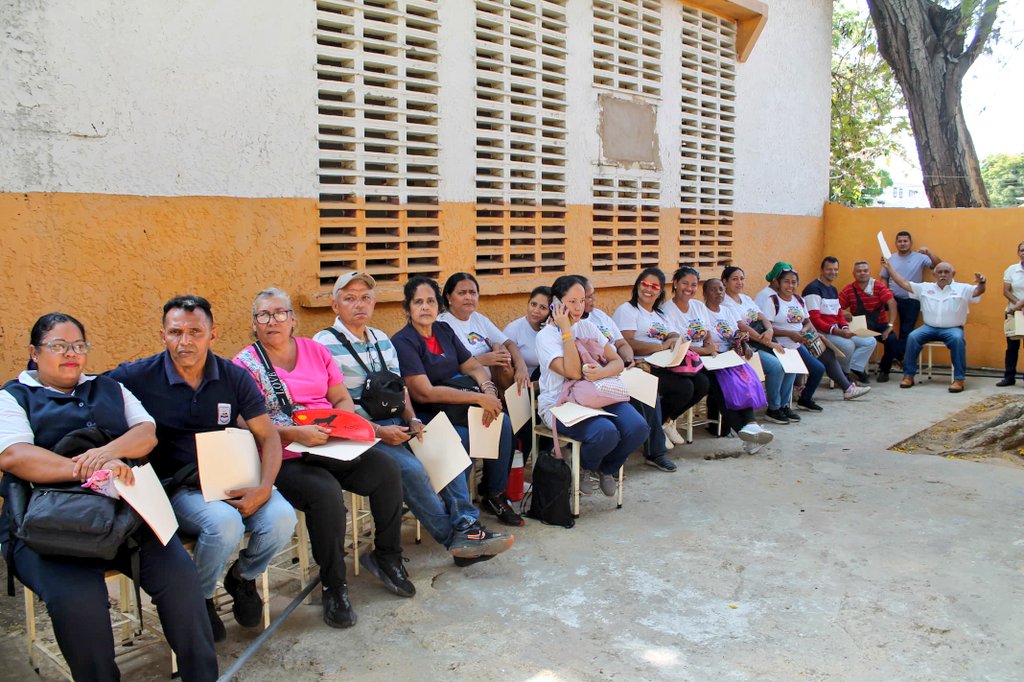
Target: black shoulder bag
(871, 318)
(550, 493)
(383, 395)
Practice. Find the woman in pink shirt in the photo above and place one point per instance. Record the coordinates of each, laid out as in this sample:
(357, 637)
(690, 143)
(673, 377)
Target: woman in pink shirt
(309, 379)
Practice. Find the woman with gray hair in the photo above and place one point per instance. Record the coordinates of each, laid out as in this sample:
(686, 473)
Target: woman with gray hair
(299, 374)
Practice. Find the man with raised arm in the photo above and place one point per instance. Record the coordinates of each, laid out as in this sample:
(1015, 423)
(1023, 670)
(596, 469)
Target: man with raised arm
(944, 306)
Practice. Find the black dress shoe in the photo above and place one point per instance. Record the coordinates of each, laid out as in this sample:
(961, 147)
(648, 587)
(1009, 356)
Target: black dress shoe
(883, 377)
(1006, 382)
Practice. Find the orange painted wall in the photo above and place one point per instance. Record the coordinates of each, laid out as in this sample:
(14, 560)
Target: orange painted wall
(113, 260)
(972, 240)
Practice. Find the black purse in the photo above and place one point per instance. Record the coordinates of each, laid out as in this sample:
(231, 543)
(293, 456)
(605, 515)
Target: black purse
(383, 395)
(68, 520)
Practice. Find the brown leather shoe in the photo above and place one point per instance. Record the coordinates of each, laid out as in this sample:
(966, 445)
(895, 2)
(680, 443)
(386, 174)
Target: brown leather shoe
(957, 386)
(907, 382)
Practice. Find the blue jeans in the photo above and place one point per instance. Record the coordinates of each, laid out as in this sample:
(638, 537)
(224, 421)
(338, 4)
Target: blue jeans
(655, 445)
(778, 385)
(953, 337)
(495, 470)
(815, 371)
(857, 350)
(441, 513)
(219, 528)
(608, 441)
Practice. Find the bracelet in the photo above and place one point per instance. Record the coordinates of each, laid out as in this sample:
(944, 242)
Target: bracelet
(567, 336)
(417, 420)
(488, 385)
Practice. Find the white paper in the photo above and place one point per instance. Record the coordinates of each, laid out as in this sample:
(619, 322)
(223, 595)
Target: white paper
(791, 361)
(148, 498)
(755, 364)
(571, 413)
(518, 404)
(1018, 323)
(671, 357)
(483, 440)
(885, 247)
(440, 451)
(729, 358)
(641, 385)
(859, 326)
(336, 448)
(228, 460)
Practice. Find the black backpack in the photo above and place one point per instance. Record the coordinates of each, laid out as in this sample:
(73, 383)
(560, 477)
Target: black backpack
(383, 393)
(550, 493)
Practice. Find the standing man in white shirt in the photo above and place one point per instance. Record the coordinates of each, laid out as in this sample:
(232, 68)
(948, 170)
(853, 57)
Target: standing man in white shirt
(909, 265)
(1013, 291)
(944, 306)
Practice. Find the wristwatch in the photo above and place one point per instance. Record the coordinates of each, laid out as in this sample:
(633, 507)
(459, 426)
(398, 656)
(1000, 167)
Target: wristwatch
(417, 420)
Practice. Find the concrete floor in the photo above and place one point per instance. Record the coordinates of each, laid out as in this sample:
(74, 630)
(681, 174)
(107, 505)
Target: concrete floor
(825, 557)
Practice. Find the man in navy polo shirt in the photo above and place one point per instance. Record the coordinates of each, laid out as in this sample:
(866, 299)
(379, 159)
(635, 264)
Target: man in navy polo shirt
(189, 390)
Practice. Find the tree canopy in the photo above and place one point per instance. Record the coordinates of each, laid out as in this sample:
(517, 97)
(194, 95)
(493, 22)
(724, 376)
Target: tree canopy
(868, 112)
(1004, 179)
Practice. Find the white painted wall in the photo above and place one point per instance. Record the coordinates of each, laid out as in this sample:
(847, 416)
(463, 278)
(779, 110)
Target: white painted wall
(158, 98)
(783, 111)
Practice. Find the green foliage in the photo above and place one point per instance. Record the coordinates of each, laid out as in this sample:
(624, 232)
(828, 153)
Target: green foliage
(868, 112)
(1004, 178)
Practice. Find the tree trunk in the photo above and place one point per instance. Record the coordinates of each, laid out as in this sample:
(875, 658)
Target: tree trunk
(924, 44)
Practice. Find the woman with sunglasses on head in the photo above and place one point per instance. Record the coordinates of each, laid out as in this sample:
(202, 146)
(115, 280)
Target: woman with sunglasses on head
(47, 403)
(778, 384)
(309, 379)
(646, 327)
(439, 372)
(607, 441)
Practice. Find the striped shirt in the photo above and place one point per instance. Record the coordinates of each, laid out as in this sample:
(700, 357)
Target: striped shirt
(350, 368)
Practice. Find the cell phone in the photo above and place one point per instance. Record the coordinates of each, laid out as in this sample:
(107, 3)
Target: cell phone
(555, 301)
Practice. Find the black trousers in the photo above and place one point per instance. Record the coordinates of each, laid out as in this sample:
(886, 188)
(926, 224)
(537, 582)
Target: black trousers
(908, 309)
(679, 392)
(1012, 353)
(732, 420)
(75, 595)
(313, 485)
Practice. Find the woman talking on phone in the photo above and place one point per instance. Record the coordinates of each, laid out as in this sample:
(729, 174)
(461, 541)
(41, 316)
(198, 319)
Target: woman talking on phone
(607, 441)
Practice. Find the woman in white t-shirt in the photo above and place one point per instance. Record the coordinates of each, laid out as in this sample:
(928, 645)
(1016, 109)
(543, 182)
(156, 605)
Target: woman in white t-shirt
(481, 337)
(646, 327)
(523, 330)
(778, 385)
(1013, 291)
(723, 331)
(607, 441)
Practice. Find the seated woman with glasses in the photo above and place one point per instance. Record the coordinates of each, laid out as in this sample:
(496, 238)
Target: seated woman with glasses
(51, 400)
(442, 375)
(307, 379)
(646, 327)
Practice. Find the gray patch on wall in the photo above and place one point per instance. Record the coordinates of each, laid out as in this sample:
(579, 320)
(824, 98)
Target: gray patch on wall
(629, 134)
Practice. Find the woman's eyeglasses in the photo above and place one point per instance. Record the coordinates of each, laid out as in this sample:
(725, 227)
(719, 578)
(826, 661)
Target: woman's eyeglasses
(62, 347)
(264, 316)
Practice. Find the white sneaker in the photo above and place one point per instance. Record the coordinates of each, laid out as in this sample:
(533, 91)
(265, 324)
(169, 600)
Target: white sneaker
(855, 391)
(672, 433)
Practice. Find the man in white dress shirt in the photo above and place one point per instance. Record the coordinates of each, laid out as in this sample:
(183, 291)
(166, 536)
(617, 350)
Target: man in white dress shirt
(944, 307)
